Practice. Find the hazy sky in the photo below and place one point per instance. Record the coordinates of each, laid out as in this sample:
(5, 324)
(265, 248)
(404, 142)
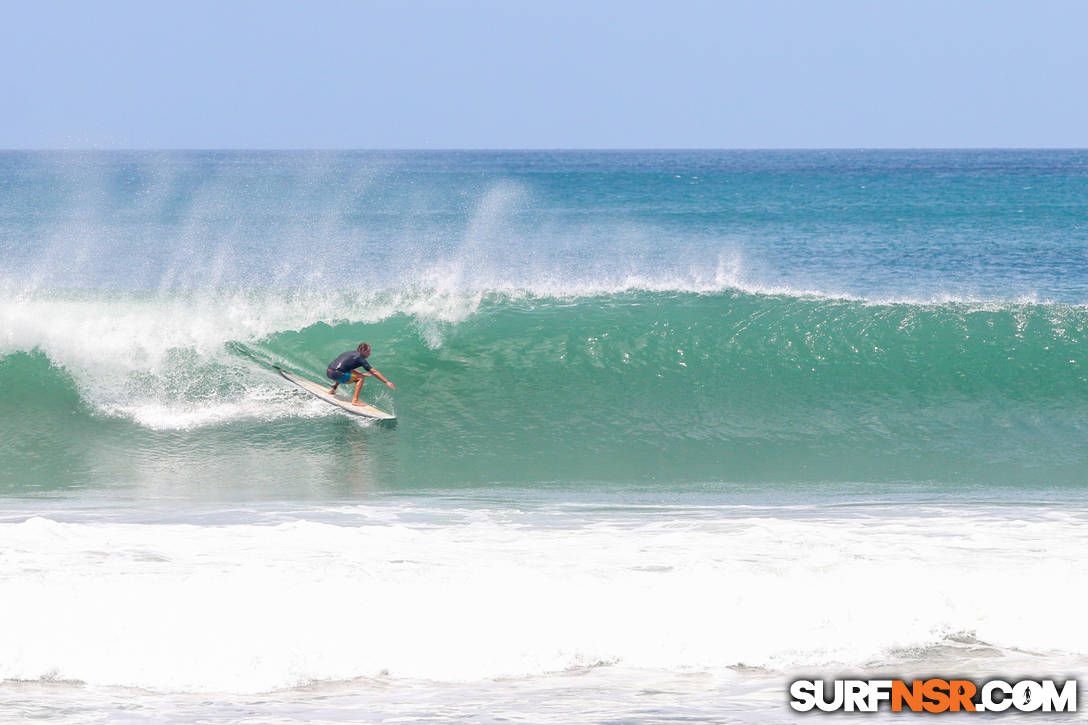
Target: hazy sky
(547, 74)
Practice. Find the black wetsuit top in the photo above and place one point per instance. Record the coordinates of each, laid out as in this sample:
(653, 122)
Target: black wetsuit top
(346, 363)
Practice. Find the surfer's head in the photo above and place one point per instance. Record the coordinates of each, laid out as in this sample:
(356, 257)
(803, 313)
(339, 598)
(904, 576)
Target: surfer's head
(364, 349)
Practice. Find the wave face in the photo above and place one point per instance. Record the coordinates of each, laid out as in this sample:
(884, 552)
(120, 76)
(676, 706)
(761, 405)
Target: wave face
(632, 386)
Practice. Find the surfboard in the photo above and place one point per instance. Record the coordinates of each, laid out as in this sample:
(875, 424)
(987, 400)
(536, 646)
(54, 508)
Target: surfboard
(322, 391)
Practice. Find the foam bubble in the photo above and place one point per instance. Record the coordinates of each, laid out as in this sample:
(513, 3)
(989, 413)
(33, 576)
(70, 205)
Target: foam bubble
(246, 607)
(259, 404)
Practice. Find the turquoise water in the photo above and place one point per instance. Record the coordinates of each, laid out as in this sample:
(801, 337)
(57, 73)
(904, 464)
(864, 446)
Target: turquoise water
(669, 388)
(682, 385)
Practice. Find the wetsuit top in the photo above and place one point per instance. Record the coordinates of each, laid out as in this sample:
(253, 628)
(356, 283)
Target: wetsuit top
(348, 362)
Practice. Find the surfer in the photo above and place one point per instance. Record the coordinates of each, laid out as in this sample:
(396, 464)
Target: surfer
(345, 369)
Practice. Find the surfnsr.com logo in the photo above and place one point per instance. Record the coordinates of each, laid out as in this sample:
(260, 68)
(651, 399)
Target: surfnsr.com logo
(934, 695)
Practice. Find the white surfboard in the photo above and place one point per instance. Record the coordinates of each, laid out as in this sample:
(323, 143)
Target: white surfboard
(322, 391)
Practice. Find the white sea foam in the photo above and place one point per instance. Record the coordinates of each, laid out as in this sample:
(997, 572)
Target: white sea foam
(244, 607)
(259, 402)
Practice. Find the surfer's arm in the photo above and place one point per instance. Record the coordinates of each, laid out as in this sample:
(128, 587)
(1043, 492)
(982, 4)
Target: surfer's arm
(381, 377)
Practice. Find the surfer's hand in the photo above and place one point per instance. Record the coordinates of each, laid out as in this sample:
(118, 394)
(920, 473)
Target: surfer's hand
(391, 386)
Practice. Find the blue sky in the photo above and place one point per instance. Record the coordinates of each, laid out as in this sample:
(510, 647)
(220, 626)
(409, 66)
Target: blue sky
(554, 74)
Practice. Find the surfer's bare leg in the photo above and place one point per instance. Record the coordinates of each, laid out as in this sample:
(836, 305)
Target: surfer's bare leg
(332, 390)
(358, 389)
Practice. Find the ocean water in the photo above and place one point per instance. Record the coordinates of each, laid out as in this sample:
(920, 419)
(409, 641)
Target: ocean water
(674, 428)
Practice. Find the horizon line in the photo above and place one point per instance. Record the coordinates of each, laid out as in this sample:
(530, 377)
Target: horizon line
(497, 149)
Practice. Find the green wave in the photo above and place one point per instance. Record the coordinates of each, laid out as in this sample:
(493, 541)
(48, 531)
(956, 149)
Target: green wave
(682, 387)
(737, 386)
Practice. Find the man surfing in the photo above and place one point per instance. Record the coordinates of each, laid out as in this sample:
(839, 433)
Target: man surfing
(344, 369)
